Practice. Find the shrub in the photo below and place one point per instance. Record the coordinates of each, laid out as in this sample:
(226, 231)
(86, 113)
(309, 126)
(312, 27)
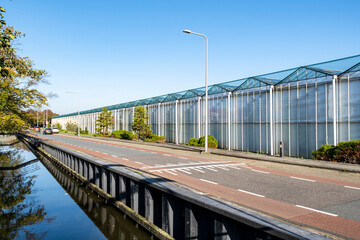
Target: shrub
(193, 142)
(123, 134)
(347, 152)
(155, 138)
(71, 126)
(212, 142)
(325, 152)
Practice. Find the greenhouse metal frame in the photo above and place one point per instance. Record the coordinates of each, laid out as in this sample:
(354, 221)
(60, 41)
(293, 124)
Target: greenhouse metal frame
(295, 106)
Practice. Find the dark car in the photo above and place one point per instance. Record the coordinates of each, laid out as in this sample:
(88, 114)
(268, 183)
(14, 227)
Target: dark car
(47, 131)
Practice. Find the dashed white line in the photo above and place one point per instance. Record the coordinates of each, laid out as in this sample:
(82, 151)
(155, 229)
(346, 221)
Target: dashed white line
(114, 155)
(303, 179)
(184, 171)
(352, 187)
(222, 168)
(208, 181)
(169, 171)
(183, 158)
(140, 163)
(331, 214)
(209, 168)
(167, 155)
(259, 171)
(251, 193)
(197, 170)
(105, 153)
(125, 159)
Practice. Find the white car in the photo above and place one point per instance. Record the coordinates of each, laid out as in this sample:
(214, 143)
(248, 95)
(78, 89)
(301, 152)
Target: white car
(55, 130)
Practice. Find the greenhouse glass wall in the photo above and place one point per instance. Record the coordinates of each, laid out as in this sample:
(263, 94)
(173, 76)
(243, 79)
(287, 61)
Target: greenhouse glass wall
(303, 108)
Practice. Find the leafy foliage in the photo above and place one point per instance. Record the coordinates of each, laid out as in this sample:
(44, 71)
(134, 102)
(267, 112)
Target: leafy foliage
(103, 122)
(155, 138)
(200, 142)
(18, 80)
(347, 152)
(141, 124)
(123, 134)
(71, 127)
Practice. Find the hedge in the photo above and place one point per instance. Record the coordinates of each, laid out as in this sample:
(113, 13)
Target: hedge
(347, 152)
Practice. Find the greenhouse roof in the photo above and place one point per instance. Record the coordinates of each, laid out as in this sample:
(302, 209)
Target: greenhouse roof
(329, 68)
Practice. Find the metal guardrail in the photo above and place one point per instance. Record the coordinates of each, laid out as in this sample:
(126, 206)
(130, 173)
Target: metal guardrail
(182, 213)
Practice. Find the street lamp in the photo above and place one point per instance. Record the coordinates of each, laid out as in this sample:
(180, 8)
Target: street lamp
(78, 112)
(206, 86)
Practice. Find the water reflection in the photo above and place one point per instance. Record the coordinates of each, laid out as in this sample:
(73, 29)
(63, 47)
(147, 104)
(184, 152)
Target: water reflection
(17, 209)
(110, 221)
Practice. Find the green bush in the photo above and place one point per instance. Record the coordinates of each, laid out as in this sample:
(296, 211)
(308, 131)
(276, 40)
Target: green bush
(155, 138)
(212, 142)
(71, 127)
(193, 142)
(325, 152)
(123, 134)
(347, 152)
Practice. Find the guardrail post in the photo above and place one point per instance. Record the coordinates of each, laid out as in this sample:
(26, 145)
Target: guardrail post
(191, 223)
(122, 189)
(104, 180)
(134, 196)
(112, 184)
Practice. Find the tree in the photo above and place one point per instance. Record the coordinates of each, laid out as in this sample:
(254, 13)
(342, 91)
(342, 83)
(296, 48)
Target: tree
(104, 121)
(18, 81)
(141, 124)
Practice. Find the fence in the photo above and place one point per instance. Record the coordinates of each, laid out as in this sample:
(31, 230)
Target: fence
(179, 212)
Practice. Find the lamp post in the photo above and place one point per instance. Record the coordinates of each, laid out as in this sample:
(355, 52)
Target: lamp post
(78, 121)
(206, 86)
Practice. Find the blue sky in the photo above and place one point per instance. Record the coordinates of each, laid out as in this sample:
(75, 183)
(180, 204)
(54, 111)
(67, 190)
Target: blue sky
(112, 52)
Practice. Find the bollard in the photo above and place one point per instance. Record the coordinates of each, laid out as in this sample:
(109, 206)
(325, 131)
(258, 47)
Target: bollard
(281, 149)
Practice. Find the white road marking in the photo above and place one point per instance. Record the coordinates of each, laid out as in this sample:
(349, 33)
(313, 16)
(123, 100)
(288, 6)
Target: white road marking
(184, 171)
(259, 171)
(331, 214)
(222, 168)
(183, 158)
(303, 179)
(169, 171)
(208, 181)
(139, 163)
(352, 187)
(125, 159)
(114, 155)
(105, 153)
(209, 168)
(234, 167)
(197, 170)
(250, 193)
(182, 164)
(167, 155)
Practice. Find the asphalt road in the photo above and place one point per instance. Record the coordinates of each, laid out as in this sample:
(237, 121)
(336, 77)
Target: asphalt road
(323, 196)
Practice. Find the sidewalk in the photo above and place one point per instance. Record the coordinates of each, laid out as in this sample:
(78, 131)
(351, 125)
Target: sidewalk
(345, 167)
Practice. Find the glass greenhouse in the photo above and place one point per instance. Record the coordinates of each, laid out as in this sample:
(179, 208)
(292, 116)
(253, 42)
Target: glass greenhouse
(303, 107)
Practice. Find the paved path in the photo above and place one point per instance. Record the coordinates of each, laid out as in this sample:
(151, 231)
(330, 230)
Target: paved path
(323, 199)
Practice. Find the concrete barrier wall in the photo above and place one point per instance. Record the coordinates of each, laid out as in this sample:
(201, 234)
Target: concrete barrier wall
(181, 213)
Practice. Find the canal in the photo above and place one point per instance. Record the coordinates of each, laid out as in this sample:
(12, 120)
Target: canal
(39, 201)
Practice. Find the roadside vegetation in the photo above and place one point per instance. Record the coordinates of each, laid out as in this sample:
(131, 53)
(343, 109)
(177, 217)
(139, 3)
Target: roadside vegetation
(200, 142)
(346, 152)
(19, 81)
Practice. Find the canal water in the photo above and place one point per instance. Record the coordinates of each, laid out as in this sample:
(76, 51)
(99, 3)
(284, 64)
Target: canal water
(39, 201)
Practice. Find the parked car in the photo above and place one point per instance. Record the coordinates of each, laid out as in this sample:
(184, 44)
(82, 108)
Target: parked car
(47, 131)
(37, 129)
(55, 130)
